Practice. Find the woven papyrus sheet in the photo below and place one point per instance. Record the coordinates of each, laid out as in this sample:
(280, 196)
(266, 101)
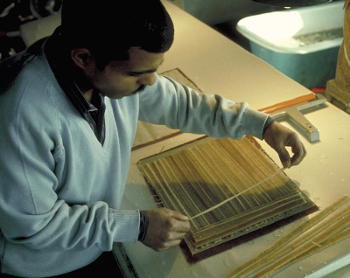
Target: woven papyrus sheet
(197, 176)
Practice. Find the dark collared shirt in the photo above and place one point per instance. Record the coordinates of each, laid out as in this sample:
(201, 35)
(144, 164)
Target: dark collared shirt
(92, 112)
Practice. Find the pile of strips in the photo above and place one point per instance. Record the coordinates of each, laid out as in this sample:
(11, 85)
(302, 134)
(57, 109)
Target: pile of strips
(328, 227)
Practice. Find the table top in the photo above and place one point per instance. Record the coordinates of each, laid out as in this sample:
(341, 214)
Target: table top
(218, 65)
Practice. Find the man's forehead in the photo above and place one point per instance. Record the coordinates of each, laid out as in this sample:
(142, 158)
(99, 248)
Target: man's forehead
(139, 61)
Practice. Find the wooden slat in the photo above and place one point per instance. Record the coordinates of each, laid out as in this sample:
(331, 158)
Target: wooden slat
(326, 228)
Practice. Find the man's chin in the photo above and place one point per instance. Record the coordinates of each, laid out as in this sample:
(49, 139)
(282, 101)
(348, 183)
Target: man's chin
(120, 96)
(139, 90)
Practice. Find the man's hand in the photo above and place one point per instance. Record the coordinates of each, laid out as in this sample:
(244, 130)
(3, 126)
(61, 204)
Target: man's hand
(166, 228)
(278, 137)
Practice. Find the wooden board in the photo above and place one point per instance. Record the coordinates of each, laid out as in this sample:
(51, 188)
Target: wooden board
(201, 174)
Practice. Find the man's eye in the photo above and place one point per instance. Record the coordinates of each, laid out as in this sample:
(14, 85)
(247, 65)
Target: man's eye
(134, 74)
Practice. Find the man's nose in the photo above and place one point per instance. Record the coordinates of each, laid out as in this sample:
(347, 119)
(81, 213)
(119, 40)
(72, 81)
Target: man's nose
(147, 79)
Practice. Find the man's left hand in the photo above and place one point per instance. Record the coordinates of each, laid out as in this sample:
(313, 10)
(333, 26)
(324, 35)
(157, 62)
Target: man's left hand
(279, 137)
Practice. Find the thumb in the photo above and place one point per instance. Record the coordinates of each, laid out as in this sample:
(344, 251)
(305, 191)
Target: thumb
(179, 216)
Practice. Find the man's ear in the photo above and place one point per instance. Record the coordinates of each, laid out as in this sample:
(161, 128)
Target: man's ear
(81, 57)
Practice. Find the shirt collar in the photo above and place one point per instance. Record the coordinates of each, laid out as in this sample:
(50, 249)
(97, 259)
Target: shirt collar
(94, 114)
(58, 65)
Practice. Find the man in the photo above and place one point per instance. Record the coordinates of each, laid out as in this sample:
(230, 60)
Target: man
(69, 107)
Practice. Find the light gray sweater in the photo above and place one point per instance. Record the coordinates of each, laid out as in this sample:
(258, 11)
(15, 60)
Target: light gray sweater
(60, 189)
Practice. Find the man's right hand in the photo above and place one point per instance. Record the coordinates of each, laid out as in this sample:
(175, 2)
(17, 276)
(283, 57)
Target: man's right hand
(166, 228)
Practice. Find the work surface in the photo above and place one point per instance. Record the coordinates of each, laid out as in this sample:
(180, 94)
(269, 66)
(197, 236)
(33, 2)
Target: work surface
(217, 65)
(323, 176)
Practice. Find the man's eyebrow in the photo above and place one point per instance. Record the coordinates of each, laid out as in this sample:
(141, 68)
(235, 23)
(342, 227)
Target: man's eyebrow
(145, 71)
(142, 72)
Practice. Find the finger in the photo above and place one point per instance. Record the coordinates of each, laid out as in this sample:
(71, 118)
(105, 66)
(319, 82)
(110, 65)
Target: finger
(284, 157)
(182, 226)
(179, 216)
(178, 236)
(169, 244)
(174, 241)
(299, 156)
(299, 152)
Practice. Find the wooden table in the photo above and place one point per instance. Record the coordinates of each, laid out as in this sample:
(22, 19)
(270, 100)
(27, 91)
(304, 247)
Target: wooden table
(217, 65)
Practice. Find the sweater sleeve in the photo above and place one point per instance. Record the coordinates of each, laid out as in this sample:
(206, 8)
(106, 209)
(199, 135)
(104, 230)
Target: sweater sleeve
(180, 107)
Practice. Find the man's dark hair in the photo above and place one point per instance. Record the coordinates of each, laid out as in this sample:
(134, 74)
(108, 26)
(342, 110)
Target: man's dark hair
(110, 28)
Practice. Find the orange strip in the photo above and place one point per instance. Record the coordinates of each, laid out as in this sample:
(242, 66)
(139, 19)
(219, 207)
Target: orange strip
(288, 103)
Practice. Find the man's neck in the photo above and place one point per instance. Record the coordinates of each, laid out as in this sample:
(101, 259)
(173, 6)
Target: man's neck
(88, 95)
(82, 83)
